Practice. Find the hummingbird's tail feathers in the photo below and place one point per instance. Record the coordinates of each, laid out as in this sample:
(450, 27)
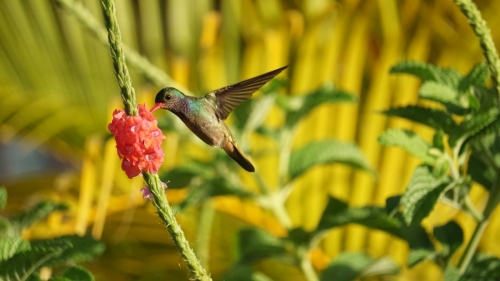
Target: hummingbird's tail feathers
(235, 152)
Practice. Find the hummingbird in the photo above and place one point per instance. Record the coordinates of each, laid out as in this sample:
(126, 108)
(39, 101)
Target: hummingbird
(205, 116)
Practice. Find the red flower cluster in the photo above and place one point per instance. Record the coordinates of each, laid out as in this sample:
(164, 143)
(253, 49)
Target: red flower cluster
(138, 141)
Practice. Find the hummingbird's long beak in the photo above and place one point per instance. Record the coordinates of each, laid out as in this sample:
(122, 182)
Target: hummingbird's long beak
(156, 106)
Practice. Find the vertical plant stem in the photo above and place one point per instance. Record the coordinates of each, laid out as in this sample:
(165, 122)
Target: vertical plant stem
(483, 33)
(471, 246)
(167, 216)
(285, 142)
(306, 266)
(279, 209)
(116, 49)
(155, 186)
(492, 203)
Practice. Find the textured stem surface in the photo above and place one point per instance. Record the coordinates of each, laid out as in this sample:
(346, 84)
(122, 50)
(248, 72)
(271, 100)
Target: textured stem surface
(167, 216)
(483, 33)
(116, 49)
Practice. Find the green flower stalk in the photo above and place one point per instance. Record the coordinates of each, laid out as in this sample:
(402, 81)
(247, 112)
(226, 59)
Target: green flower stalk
(490, 53)
(116, 48)
(483, 33)
(154, 184)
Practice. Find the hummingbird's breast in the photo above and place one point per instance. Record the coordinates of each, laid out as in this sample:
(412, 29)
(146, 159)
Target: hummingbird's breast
(203, 122)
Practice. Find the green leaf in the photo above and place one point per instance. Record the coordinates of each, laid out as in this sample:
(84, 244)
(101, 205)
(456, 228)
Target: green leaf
(347, 267)
(483, 267)
(450, 76)
(441, 167)
(431, 117)
(299, 236)
(333, 208)
(3, 197)
(480, 172)
(74, 273)
(409, 141)
(381, 267)
(418, 255)
(476, 126)
(450, 236)
(421, 246)
(39, 212)
(54, 252)
(24, 264)
(472, 101)
(326, 152)
(426, 72)
(451, 274)
(83, 248)
(438, 140)
(476, 77)
(11, 246)
(256, 244)
(486, 98)
(438, 92)
(244, 273)
(337, 213)
(298, 107)
(6, 229)
(422, 194)
(392, 204)
(352, 266)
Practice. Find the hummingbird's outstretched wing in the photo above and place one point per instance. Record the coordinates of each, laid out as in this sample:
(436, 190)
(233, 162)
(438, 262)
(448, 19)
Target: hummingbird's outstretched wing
(229, 97)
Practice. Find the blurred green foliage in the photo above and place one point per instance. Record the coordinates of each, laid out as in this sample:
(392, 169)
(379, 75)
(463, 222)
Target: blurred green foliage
(58, 91)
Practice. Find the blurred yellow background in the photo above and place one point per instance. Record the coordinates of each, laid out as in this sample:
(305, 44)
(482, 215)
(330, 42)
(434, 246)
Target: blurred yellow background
(58, 91)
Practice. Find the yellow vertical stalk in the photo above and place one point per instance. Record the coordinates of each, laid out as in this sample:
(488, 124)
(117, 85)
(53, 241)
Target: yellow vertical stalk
(109, 164)
(210, 63)
(303, 76)
(87, 184)
(371, 125)
(273, 47)
(265, 164)
(394, 164)
(180, 70)
(345, 116)
(327, 36)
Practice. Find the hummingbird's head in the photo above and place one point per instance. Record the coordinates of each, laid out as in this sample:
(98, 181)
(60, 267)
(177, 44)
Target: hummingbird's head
(168, 98)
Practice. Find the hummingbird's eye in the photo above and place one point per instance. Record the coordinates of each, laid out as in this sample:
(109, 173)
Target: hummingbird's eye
(169, 96)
